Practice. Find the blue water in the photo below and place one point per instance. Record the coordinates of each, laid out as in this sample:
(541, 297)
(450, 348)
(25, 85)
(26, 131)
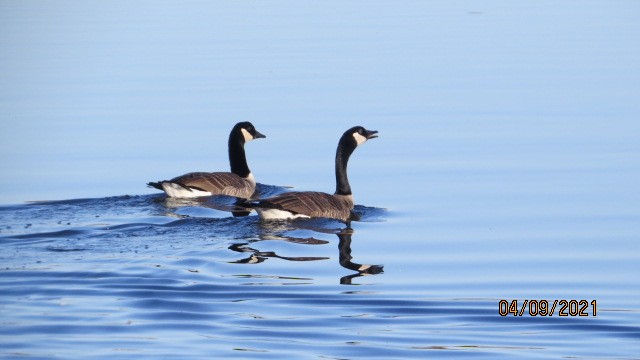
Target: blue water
(507, 167)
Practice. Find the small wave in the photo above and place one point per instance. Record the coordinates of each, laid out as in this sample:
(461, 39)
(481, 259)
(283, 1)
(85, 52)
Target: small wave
(65, 249)
(48, 235)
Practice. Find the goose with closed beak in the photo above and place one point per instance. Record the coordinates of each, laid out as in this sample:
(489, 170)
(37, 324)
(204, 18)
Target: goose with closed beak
(239, 182)
(306, 204)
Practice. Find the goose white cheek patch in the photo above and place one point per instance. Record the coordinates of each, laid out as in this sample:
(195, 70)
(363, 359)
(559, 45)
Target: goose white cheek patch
(247, 137)
(359, 138)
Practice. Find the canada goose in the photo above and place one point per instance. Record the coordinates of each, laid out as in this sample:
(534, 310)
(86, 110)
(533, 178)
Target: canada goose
(239, 182)
(304, 204)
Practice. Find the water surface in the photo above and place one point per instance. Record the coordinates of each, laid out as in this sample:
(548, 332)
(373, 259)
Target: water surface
(506, 168)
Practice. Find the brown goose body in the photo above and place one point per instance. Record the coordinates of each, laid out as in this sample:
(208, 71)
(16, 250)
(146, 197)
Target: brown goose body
(307, 204)
(206, 184)
(239, 182)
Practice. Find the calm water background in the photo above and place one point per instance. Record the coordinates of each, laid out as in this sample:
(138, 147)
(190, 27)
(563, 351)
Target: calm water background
(507, 167)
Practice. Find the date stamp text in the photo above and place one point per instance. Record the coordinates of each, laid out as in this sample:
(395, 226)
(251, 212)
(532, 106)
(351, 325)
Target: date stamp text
(548, 308)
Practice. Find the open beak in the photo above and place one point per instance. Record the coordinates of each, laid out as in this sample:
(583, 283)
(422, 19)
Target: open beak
(258, 135)
(371, 134)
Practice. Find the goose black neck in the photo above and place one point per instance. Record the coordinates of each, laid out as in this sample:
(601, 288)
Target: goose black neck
(237, 158)
(345, 149)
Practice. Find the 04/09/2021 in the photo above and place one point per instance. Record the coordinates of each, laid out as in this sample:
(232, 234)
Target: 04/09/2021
(547, 308)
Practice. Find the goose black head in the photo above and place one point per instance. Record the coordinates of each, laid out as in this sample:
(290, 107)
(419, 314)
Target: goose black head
(248, 131)
(359, 134)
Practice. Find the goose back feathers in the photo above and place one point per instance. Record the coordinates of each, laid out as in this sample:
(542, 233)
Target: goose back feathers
(297, 204)
(205, 184)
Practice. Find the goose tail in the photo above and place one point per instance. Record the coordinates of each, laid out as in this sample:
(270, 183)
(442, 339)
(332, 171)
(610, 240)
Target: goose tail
(156, 184)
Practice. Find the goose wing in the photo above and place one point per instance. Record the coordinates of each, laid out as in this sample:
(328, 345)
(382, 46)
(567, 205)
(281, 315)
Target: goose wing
(217, 183)
(312, 204)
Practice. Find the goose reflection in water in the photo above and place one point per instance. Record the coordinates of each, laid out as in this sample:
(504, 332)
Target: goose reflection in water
(344, 246)
(344, 254)
(257, 256)
(219, 202)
